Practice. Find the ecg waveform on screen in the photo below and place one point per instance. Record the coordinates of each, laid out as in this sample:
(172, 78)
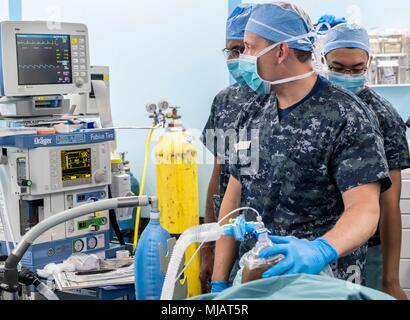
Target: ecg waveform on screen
(37, 66)
(39, 42)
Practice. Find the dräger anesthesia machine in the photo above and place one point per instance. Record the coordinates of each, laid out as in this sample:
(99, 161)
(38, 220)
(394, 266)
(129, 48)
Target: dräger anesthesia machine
(50, 161)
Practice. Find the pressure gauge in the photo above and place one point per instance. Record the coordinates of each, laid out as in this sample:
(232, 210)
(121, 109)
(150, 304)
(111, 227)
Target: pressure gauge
(163, 105)
(92, 243)
(151, 107)
(78, 245)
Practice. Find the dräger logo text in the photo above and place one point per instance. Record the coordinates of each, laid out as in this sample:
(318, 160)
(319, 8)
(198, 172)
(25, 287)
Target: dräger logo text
(42, 141)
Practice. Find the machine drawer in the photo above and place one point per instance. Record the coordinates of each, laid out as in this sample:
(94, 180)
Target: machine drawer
(405, 189)
(405, 206)
(405, 245)
(405, 273)
(405, 174)
(405, 221)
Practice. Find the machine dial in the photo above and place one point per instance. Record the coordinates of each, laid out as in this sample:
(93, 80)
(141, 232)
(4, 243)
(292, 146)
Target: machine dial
(163, 105)
(71, 226)
(100, 176)
(79, 82)
(78, 245)
(151, 107)
(92, 243)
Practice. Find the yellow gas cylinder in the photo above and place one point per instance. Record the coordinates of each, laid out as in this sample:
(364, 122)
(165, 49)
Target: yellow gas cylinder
(177, 189)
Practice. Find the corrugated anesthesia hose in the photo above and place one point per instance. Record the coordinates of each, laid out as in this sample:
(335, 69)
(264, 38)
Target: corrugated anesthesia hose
(202, 233)
(202, 243)
(10, 266)
(8, 231)
(197, 234)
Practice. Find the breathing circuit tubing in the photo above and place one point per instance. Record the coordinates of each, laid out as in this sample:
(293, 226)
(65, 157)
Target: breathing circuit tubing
(202, 233)
(4, 216)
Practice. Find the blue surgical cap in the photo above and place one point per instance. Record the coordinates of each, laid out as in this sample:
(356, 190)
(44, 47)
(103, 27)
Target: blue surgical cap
(279, 22)
(237, 20)
(347, 35)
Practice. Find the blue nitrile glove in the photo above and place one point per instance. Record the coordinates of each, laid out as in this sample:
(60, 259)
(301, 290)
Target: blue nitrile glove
(219, 286)
(330, 19)
(301, 256)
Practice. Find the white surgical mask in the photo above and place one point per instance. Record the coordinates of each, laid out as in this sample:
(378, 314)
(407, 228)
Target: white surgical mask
(248, 66)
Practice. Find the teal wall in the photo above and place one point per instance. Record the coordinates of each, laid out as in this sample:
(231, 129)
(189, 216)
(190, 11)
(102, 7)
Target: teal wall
(399, 97)
(15, 9)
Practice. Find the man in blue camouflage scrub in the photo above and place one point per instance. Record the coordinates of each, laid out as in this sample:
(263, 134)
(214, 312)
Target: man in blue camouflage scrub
(321, 165)
(347, 52)
(219, 129)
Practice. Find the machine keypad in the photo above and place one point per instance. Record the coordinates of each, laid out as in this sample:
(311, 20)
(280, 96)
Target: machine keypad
(79, 61)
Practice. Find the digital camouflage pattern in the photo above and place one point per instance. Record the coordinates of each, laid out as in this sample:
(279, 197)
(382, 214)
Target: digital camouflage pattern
(329, 144)
(393, 130)
(392, 127)
(224, 111)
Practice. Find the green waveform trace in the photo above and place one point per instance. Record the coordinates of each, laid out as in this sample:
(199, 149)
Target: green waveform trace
(37, 66)
(38, 42)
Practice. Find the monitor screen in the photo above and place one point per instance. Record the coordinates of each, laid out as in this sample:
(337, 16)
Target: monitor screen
(76, 164)
(43, 59)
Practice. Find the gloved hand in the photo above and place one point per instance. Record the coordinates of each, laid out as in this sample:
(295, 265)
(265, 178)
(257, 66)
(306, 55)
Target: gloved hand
(330, 19)
(301, 256)
(219, 286)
